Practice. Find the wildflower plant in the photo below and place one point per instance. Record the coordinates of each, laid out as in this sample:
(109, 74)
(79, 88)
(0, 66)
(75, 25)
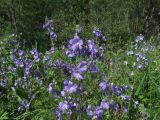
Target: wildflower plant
(73, 83)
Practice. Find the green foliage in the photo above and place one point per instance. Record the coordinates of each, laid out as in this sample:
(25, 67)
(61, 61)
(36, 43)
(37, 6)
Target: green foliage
(120, 19)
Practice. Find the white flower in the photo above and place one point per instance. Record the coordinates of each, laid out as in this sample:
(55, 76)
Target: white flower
(132, 73)
(125, 62)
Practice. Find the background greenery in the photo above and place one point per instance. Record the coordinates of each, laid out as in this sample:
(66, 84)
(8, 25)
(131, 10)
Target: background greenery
(120, 20)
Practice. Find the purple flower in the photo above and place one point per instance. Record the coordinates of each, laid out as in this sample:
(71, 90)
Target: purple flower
(3, 82)
(38, 76)
(58, 114)
(82, 66)
(48, 25)
(53, 35)
(103, 38)
(25, 104)
(66, 69)
(139, 38)
(36, 58)
(12, 56)
(36, 55)
(20, 52)
(75, 44)
(99, 34)
(50, 88)
(92, 46)
(77, 75)
(67, 106)
(71, 54)
(125, 109)
(46, 58)
(28, 63)
(89, 110)
(116, 90)
(114, 106)
(13, 69)
(94, 51)
(103, 85)
(69, 87)
(34, 51)
(26, 72)
(125, 97)
(52, 50)
(19, 63)
(94, 69)
(14, 42)
(59, 63)
(105, 105)
(100, 53)
(63, 106)
(84, 52)
(98, 112)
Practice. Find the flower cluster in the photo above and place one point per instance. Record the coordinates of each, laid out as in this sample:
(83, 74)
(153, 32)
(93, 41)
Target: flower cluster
(21, 61)
(48, 25)
(24, 106)
(77, 47)
(69, 88)
(140, 51)
(68, 106)
(99, 34)
(36, 55)
(108, 89)
(71, 78)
